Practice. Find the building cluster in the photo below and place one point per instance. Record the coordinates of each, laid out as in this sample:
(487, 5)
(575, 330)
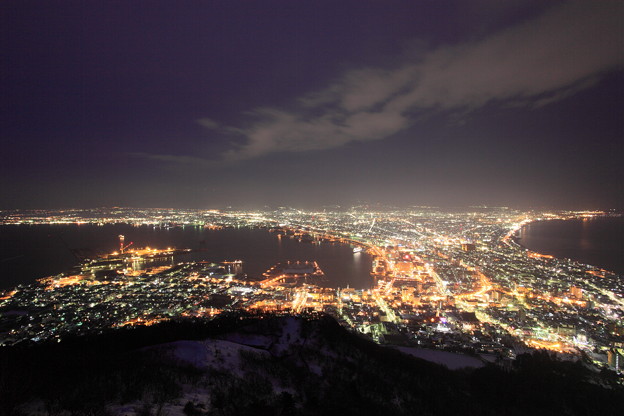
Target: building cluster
(452, 280)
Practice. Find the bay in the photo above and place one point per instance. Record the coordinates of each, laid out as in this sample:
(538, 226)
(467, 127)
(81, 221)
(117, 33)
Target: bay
(28, 252)
(596, 241)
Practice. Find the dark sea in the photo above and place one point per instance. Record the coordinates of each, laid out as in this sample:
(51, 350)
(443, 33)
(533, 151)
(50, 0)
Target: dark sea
(597, 241)
(28, 252)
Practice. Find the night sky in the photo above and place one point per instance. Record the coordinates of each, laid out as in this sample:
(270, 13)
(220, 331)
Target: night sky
(311, 103)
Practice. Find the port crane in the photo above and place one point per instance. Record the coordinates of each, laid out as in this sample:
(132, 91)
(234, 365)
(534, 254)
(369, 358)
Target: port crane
(122, 247)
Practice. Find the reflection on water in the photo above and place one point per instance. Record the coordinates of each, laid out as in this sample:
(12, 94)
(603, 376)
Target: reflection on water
(585, 241)
(30, 252)
(597, 241)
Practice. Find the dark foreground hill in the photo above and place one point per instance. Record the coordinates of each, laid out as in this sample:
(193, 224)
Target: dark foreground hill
(279, 366)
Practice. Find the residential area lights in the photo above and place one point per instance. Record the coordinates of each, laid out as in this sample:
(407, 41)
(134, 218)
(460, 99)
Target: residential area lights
(457, 281)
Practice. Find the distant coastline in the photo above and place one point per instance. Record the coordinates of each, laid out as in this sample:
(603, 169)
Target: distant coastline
(595, 241)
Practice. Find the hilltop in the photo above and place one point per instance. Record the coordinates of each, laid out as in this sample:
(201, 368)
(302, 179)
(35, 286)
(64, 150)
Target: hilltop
(279, 365)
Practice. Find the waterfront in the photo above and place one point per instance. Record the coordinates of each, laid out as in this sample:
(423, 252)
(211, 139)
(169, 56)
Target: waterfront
(28, 252)
(444, 280)
(35, 251)
(597, 241)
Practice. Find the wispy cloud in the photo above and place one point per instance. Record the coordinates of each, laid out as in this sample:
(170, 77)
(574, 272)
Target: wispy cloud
(209, 123)
(174, 159)
(535, 63)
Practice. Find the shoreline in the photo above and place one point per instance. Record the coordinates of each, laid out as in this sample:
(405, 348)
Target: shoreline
(515, 237)
(54, 248)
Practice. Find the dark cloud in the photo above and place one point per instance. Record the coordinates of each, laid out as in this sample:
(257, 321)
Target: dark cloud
(546, 59)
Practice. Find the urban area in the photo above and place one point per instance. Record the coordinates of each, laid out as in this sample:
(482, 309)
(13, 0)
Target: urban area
(456, 281)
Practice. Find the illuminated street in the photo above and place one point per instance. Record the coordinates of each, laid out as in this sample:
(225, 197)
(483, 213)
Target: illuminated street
(461, 283)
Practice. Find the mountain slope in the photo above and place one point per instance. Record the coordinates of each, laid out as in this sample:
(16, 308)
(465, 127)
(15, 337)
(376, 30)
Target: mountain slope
(271, 365)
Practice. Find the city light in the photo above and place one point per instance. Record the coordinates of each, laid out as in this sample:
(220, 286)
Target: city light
(460, 283)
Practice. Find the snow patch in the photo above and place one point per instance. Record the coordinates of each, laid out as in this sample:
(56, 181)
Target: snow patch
(252, 340)
(210, 353)
(453, 361)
